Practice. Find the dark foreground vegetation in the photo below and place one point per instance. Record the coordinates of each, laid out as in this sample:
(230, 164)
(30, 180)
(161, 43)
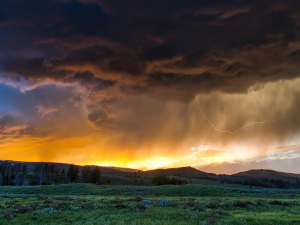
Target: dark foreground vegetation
(186, 204)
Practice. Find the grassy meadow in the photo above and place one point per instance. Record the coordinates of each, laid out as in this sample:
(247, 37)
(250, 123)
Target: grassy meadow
(108, 204)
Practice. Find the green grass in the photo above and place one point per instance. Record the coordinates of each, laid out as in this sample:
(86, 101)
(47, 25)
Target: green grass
(167, 190)
(89, 189)
(192, 204)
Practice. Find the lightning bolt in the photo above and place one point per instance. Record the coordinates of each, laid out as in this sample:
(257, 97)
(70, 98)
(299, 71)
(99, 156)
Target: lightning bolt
(233, 132)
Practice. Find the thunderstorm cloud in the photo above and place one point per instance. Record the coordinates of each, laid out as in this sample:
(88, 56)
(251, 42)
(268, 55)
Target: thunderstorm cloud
(115, 82)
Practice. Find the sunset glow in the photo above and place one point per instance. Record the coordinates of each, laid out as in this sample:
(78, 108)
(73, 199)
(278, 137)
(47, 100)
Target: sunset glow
(100, 83)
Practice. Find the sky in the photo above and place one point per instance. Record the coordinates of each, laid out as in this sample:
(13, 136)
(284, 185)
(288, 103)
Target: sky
(124, 83)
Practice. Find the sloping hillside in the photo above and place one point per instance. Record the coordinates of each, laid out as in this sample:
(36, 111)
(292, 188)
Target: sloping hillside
(122, 169)
(269, 174)
(181, 171)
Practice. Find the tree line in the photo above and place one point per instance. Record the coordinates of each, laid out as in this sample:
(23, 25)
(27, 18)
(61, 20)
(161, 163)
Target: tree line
(163, 179)
(265, 183)
(17, 174)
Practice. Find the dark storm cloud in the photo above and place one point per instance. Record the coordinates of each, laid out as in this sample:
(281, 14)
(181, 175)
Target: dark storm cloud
(84, 56)
(31, 69)
(126, 65)
(295, 56)
(88, 78)
(161, 47)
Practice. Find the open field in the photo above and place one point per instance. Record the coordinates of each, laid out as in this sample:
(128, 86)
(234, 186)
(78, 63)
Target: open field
(189, 204)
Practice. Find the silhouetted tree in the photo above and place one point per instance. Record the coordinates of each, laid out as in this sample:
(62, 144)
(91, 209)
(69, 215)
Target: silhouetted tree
(63, 176)
(86, 174)
(96, 175)
(24, 174)
(73, 173)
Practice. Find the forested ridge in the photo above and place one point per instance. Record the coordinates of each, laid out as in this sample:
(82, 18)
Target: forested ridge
(17, 173)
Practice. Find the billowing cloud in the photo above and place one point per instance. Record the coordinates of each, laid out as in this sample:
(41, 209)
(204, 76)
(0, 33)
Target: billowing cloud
(122, 78)
(10, 123)
(45, 110)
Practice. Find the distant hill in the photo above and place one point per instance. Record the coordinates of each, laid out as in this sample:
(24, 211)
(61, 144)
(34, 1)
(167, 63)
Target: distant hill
(182, 171)
(288, 165)
(269, 174)
(263, 178)
(123, 169)
(224, 168)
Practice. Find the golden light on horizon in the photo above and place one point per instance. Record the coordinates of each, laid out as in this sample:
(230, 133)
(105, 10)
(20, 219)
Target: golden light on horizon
(170, 139)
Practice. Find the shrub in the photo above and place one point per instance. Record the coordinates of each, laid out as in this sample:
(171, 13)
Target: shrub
(260, 202)
(214, 203)
(141, 207)
(41, 197)
(11, 203)
(9, 214)
(21, 209)
(116, 201)
(219, 213)
(35, 215)
(7, 196)
(63, 198)
(136, 199)
(61, 205)
(33, 206)
(86, 205)
(210, 222)
(277, 202)
(195, 206)
(48, 202)
(198, 207)
(121, 206)
(242, 204)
